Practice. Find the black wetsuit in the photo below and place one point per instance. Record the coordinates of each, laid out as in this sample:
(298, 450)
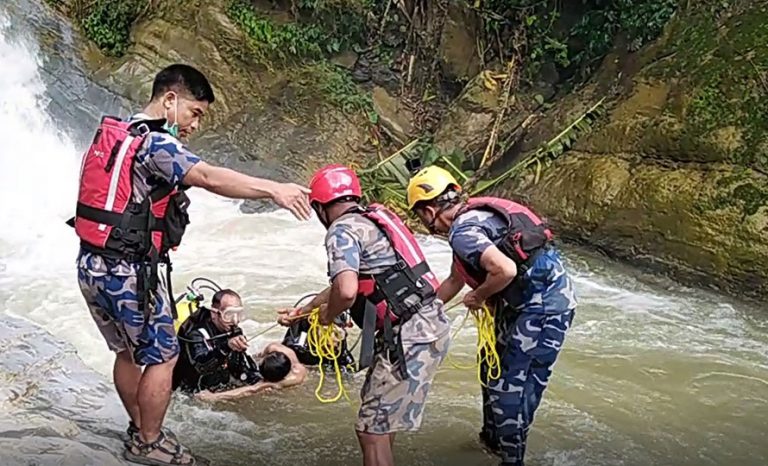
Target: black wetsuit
(207, 363)
(296, 339)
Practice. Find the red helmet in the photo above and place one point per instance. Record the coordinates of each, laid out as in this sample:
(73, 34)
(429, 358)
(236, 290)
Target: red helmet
(334, 182)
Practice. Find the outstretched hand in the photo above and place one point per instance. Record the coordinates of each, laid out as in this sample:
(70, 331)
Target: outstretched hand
(293, 197)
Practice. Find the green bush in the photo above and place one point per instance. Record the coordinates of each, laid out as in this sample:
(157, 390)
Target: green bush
(577, 48)
(108, 23)
(323, 28)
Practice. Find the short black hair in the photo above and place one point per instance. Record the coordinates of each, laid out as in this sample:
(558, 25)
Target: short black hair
(275, 366)
(183, 79)
(221, 294)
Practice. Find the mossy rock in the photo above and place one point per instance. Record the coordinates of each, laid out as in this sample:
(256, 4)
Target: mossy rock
(718, 61)
(706, 226)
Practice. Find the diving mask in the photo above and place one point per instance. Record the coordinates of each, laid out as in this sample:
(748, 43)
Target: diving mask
(231, 314)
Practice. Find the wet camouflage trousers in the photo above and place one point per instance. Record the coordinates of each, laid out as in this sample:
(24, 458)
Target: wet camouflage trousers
(528, 350)
(529, 338)
(114, 306)
(390, 404)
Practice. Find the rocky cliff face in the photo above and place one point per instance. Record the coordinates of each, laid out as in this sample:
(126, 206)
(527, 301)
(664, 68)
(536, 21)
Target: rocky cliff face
(676, 176)
(263, 121)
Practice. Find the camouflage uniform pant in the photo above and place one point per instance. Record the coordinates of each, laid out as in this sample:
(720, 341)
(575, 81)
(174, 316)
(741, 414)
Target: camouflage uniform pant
(529, 340)
(114, 306)
(390, 404)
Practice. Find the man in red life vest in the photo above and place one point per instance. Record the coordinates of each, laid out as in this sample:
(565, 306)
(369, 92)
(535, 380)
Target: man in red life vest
(131, 211)
(502, 250)
(378, 272)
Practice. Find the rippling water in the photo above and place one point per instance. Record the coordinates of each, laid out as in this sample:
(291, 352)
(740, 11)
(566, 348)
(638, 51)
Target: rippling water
(652, 373)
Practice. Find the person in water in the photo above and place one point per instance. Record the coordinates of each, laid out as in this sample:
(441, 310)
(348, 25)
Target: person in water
(131, 212)
(214, 364)
(378, 272)
(296, 339)
(503, 251)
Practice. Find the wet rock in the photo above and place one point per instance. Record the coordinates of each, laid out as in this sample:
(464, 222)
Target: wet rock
(394, 117)
(458, 44)
(56, 410)
(379, 72)
(673, 177)
(467, 122)
(680, 219)
(345, 59)
(211, 46)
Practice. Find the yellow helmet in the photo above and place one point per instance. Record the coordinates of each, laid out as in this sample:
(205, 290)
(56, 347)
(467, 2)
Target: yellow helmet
(429, 183)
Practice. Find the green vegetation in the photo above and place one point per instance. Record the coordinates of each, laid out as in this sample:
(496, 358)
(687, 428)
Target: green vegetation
(335, 85)
(639, 20)
(723, 71)
(386, 180)
(572, 48)
(107, 22)
(322, 28)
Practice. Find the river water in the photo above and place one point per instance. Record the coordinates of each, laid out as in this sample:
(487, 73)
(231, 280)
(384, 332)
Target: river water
(652, 373)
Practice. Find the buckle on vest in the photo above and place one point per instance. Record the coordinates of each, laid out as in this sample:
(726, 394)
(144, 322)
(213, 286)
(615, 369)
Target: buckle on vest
(400, 265)
(142, 129)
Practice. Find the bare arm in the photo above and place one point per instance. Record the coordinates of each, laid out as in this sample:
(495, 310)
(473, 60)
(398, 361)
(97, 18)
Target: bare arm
(450, 287)
(501, 271)
(235, 393)
(297, 376)
(229, 183)
(342, 296)
(236, 185)
(317, 301)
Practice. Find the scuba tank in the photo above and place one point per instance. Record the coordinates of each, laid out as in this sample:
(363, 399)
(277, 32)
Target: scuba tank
(189, 304)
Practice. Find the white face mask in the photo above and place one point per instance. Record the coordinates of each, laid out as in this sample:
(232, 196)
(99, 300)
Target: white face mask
(173, 129)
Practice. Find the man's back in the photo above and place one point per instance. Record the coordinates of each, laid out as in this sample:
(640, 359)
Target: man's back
(356, 243)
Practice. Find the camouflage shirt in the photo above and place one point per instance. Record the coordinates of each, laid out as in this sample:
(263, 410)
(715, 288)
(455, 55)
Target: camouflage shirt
(475, 231)
(161, 158)
(355, 243)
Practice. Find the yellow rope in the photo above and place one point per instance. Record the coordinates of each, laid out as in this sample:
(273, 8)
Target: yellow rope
(323, 342)
(486, 345)
(454, 364)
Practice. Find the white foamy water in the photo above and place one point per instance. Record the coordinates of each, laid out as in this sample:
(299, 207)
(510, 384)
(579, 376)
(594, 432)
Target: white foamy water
(650, 374)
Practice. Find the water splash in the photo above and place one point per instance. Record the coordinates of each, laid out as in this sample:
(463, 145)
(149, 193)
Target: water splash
(38, 168)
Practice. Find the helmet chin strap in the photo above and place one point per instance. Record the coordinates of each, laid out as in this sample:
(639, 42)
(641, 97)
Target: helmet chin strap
(322, 214)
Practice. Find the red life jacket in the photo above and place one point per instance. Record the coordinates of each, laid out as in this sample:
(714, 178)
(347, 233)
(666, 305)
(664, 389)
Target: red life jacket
(402, 289)
(526, 235)
(107, 220)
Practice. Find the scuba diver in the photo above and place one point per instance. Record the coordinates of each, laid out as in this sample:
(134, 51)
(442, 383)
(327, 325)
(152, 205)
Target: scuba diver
(214, 365)
(504, 252)
(378, 271)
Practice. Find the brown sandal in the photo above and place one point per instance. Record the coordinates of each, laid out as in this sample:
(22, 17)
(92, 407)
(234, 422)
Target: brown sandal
(133, 433)
(161, 452)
